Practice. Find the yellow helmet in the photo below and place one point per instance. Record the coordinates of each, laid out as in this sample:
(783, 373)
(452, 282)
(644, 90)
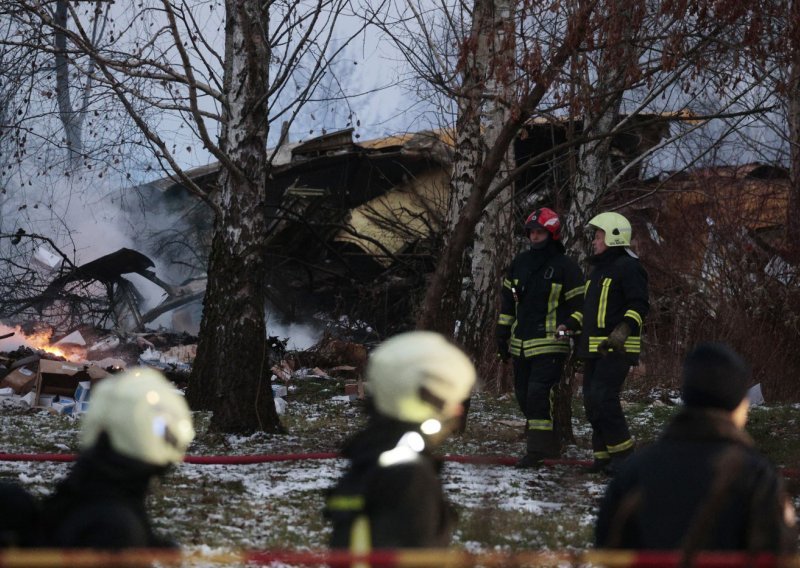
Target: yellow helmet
(616, 227)
(143, 415)
(419, 375)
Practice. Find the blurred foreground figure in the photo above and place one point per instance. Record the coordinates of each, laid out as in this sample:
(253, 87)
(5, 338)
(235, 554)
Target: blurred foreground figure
(702, 486)
(137, 426)
(19, 517)
(391, 496)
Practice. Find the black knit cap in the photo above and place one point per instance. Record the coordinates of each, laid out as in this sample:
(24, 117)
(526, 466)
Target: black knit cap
(714, 376)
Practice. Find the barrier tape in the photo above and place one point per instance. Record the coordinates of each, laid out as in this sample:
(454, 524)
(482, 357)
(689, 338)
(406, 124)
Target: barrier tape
(408, 558)
(264, 458)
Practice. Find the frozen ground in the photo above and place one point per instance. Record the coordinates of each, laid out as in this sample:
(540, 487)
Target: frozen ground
(278, 505)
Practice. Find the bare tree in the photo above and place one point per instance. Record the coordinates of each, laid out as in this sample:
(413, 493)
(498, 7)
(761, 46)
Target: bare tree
(793, 97)
(159, 58)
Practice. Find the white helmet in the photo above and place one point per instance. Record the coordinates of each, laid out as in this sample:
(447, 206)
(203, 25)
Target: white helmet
(419, 375)
(143, 415)
(616, 227)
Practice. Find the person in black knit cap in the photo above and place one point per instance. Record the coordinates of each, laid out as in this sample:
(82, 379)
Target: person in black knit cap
(136, 428)
(702, 485)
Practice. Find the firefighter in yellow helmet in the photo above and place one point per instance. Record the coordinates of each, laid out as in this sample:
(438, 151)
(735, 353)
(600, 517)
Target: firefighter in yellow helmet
(391, 495)
(137, 426)
(610, 324)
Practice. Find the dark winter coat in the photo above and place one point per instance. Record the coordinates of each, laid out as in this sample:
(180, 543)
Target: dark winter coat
(702, 486)
(101, 503)
(19, 517)
(399, 504)
(615, 292)
(541, 289)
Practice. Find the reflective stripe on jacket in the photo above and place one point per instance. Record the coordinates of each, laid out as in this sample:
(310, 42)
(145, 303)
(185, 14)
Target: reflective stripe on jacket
(540, 290)
(615, 292)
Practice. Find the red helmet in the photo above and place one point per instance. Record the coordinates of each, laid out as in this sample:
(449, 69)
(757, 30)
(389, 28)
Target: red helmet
(546, 219)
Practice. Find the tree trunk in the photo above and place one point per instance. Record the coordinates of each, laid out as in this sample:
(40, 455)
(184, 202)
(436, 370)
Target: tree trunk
(793, 211)
(594, 168)
(231, 375)
(487, 75)
(70, 119)
(447, 276)
(603, 101)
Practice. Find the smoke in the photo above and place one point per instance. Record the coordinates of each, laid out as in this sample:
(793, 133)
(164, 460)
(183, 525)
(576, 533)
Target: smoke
(15, 342)
(301, 335)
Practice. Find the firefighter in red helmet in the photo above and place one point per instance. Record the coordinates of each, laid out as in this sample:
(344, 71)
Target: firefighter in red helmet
(542, 288)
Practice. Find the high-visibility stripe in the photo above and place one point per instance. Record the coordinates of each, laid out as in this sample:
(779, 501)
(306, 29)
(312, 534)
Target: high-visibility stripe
(546, 425)
(552, 306)
(602, 455)
(535, 347)
(541, 341)
(616, 448)
(601, 310)
(574, 292)
(505, 319)
(346, 503)
(510, 283)
(632, 344)
(360, 539)
(550, 349)
(586, 287)
(577, 316)
(634, 315)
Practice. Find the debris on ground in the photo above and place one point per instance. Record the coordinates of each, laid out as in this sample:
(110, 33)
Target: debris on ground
(83, 354)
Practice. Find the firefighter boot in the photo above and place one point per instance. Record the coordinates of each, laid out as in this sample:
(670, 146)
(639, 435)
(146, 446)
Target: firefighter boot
(541, 445)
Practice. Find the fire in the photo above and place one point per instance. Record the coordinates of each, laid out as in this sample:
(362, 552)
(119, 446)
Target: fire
(41, 340)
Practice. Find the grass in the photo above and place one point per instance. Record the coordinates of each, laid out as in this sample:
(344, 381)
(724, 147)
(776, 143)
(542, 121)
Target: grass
(278, 505)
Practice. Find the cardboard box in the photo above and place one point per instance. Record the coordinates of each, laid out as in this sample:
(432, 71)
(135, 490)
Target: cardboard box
(63, 408)
(83, 391)
(46, 400)
(21, 379)
(62, 377)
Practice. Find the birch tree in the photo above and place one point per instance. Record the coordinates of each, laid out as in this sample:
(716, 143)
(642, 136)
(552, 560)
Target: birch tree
(160, 59)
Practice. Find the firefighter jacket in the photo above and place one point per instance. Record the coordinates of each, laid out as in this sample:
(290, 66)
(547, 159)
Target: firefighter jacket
(391, 496)
(541, 289)
(101, 503)
(615, 292)
(701, 485)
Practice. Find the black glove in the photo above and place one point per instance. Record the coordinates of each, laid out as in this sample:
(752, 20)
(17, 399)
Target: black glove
(616, 340)
(502, 350)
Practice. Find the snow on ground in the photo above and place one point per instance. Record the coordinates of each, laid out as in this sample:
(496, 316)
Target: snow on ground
(278, 505)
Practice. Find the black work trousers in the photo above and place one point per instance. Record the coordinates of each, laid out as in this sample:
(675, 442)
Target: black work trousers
(535, 381)
(602, 382)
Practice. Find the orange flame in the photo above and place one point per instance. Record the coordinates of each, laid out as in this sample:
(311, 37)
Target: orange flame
(41, 341)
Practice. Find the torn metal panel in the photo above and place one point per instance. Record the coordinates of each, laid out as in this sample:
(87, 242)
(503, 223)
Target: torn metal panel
(385, 225)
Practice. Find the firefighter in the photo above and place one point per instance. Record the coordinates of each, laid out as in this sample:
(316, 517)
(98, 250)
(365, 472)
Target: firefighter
(702, 485)
(543, 287)
(610, 323)
(391, 495)
(136, 428)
